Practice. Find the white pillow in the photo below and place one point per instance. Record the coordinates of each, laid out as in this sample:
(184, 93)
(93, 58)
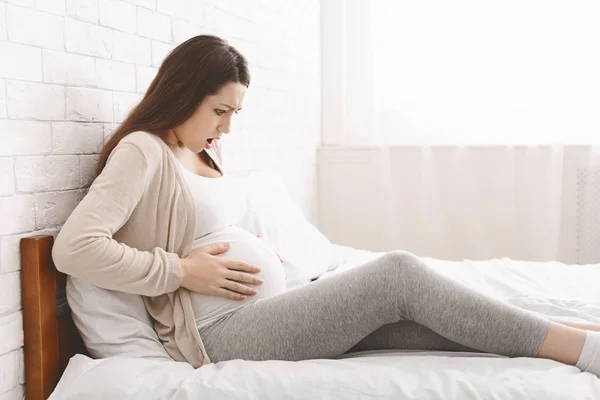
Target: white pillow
(274, 214)
(113, 323)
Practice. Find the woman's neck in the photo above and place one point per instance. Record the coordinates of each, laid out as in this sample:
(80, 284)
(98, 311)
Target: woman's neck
(170, 139)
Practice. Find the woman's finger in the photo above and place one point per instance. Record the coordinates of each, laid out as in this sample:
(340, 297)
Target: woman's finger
(243, 277)
(241, 266)
(215, 249)
(239, 288)
(228, 294)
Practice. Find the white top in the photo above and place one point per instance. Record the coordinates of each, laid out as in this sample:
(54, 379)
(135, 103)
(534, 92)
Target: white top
(221, 204)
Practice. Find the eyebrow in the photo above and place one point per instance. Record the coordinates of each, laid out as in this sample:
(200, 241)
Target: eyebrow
(228, 106)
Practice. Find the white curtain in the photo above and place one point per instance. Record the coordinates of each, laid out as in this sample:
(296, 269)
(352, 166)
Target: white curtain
(536, 203)
(485, 117)
(528, 203)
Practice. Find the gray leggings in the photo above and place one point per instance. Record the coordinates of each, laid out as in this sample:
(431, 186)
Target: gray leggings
(393, 302)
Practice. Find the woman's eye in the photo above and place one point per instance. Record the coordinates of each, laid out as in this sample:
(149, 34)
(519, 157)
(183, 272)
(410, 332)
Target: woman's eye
(220, 112)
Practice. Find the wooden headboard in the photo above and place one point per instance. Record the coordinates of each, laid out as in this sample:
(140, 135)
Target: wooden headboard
(51, 338)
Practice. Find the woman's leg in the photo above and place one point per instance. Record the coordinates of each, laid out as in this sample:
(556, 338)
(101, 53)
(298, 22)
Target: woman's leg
(328, 317)
(408, 335)
(585, 326)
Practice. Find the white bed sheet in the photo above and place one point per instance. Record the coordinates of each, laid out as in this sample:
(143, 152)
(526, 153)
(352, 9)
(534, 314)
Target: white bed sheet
(555, 289)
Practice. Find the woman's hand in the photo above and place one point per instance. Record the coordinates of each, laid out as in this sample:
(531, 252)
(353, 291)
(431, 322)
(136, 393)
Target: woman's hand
(204, 273)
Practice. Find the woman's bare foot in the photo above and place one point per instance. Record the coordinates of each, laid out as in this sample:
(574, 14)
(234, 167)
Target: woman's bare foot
(563, 343)
(574, 344)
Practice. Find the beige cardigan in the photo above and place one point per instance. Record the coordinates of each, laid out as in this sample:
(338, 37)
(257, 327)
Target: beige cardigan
(129, 232)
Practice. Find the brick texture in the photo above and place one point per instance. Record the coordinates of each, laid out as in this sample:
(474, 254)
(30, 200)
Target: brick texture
(48, 32)
(83, 10)
(2, 21)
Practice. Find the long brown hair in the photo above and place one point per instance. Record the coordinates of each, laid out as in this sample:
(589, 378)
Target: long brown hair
(193, 70)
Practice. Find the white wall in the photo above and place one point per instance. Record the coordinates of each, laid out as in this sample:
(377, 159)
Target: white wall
(71, 69)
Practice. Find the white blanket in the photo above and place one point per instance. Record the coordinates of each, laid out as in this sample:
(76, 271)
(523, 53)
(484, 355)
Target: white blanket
(555, 289)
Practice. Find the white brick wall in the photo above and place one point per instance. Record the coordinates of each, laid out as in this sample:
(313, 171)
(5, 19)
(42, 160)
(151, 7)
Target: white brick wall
(159, 52)
(84, 10)
(17, 393)
(149, 4)
(143, 77)
(174, 8)
(154, 25)
(11, 328)
(2, 21)
(24, 137)
(88, 39)
(52, 6)
(25, 3)
(118, 14)
(48, 32)
(28, 100)
(131, 49)
(123, 103)
(115, 75)
(7, 177)
(76, 138)
(70, 70)
(3, 98)
(16, 216)
(20, 62)
(85, 104)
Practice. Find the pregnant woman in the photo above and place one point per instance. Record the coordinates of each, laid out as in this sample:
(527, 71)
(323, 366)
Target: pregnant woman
(159, 221)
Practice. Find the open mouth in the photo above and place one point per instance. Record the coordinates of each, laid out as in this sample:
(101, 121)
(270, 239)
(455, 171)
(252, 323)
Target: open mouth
(209, 142)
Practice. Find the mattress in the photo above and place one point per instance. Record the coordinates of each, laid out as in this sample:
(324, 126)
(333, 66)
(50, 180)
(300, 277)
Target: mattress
(564, 292)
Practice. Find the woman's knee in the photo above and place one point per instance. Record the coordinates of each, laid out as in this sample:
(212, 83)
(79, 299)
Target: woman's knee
(401, 262)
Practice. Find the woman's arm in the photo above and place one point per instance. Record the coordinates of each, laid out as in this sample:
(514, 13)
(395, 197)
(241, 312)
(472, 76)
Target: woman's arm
(85, 247)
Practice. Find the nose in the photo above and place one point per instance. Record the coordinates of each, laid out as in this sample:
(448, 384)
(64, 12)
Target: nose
(225, 126)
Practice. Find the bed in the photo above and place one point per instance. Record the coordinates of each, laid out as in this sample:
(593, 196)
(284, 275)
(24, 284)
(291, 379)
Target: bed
(50, 336)
(57, 366)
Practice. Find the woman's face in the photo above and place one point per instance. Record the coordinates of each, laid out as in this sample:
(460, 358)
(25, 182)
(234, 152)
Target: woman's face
(212, 118)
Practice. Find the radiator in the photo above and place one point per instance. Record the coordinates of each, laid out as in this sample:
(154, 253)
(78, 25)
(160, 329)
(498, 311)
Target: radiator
(587, 215)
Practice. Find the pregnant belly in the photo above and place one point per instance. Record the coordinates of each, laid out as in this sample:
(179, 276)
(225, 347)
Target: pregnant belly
(247, 248)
